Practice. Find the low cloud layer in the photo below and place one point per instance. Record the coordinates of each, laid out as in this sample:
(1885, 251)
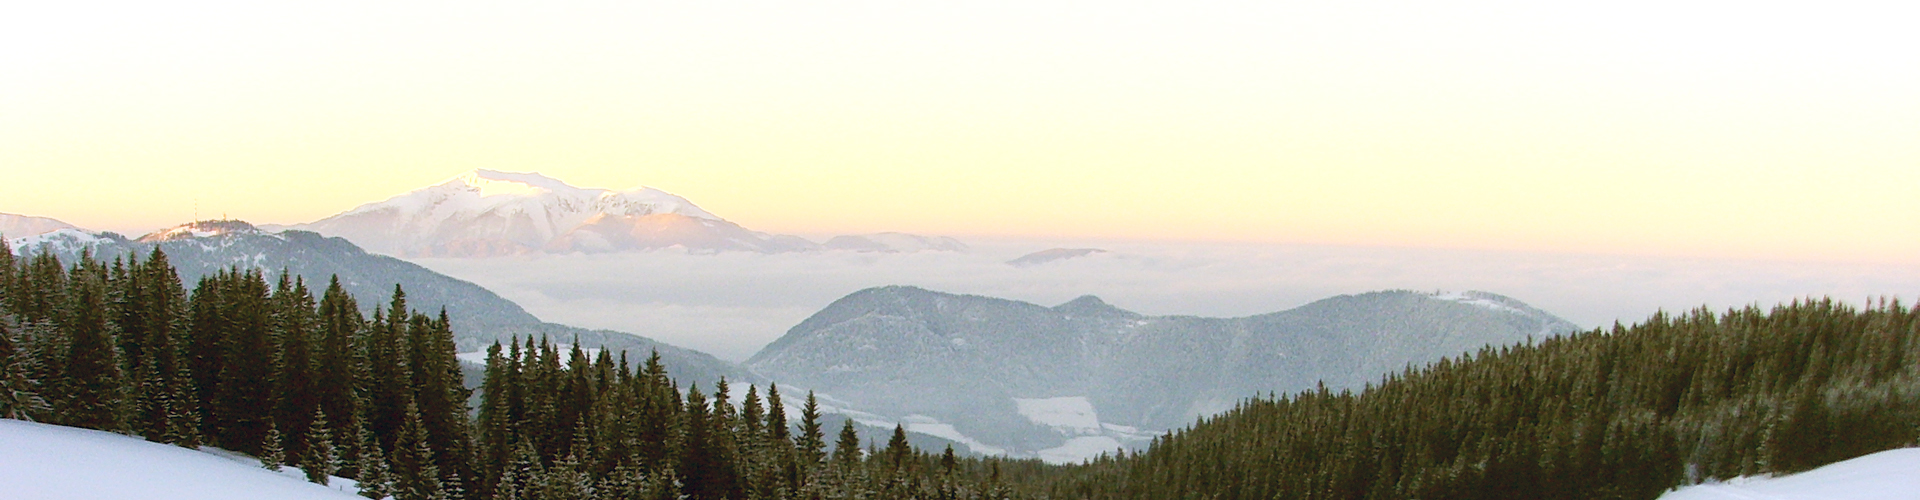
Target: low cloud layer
(732, 304)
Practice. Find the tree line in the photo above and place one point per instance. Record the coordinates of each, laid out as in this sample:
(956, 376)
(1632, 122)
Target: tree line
(271, 371)
(1619, 413)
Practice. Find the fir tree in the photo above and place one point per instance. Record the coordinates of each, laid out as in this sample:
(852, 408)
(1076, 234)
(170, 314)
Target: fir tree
(19, 398)
(296, 386)
(812, 444)
(320, 461)
(898, 451)
(339, 365)
(374, 477)
(846, 451)
(271, 455)
(415, 475)
(243, 406)
(93, 387)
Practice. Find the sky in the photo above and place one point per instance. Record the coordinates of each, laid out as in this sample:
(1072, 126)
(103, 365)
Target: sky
(1771, 130)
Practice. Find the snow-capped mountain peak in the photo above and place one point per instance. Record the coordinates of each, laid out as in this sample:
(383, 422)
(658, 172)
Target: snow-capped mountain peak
(497, 183)
(485, 213)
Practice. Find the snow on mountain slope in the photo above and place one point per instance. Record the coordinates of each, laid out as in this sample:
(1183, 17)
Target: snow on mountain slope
(487, 213)
(22, 226)
(1068, 382)
(49, 462)
(1887, 475)
(58, 240)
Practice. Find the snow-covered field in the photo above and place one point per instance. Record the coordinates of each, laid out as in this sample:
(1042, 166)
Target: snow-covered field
(50, 462)
(1887, 475)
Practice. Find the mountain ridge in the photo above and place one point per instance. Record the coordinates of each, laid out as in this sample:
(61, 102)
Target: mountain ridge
(479, 316)
(985, 365)
(485, 213)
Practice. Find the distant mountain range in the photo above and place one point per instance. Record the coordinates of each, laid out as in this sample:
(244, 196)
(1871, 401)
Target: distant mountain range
(479, 316)
(996, 376)
(1070, 381)
(485, 213)
(1052, 255)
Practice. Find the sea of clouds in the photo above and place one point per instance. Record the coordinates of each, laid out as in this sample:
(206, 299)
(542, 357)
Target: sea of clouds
(732, 304)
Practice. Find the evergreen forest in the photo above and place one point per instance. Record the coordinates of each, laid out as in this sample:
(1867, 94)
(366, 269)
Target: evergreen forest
(265, 367)
(268, 370)
(1620, 413)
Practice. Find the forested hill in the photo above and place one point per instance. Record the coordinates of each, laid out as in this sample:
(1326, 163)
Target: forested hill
(268, 370)
(478, 316)
(1622, 413)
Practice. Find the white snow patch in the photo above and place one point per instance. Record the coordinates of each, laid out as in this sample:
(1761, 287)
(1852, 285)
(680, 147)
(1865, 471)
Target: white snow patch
(930, 426)
(1477, 300)
(57, 239)
(1080, 449)
(1071, 415)
(1887, 475)
(479, 358)
(50, 462)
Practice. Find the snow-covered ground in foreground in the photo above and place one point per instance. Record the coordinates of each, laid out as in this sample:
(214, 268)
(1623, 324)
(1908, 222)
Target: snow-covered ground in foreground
(1887, 475)
(50, 462)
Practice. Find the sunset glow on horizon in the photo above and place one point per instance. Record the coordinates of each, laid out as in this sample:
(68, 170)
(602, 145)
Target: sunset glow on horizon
(1702, 129)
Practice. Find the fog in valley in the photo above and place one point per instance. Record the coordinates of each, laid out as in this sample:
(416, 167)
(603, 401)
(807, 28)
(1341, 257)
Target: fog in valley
(731, 304)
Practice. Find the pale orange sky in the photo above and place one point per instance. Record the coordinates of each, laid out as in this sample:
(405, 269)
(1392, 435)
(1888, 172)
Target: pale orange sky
(1703, 128)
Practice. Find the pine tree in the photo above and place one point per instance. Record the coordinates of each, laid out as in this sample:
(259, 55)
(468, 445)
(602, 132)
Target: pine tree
(777, 431)
(846, 451)
(19, 397)
(373, 473)
(93, 386)
(812, 445)
(898, 450)
(439, 393)
(698, 465)
(296, 390)
(339, 363)
(183, 414)
(320, 461)
(271, 455)
(415, 475)
(495, 426)
(243, 405)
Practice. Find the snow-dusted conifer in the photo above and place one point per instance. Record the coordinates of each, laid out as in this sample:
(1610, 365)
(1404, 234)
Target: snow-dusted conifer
(320, 461)
(375, 479)
(271, 455)
(18, 398)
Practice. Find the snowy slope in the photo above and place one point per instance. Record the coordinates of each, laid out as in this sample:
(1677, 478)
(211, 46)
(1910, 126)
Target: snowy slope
(487, 213)
(21, 226)
(48, 462)
(1887, 475)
